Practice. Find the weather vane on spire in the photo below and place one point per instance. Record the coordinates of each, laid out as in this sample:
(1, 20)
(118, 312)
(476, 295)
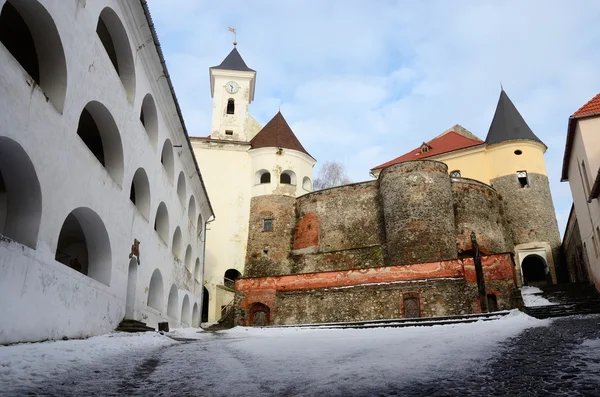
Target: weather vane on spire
(232, 30)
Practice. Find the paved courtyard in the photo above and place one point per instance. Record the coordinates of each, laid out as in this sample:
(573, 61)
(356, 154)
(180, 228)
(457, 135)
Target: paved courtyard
(517, 355)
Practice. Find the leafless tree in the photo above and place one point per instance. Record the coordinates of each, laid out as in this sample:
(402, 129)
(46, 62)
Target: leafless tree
(331, 173)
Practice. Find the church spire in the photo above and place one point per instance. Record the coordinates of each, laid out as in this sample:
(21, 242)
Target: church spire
(508, 124)
(234, 61)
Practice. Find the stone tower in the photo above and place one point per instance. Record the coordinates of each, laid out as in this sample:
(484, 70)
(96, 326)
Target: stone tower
(518, 172)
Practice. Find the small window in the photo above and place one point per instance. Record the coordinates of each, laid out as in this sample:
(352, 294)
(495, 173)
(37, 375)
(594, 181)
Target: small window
(518, 152)
(523, 179)
(268, 225)
(265, 178)
(230, 106)
(425, 148)
(285, 179)
(455, 174)
(228, 132)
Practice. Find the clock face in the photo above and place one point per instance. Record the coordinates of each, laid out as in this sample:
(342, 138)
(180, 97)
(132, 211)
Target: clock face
(232, 87)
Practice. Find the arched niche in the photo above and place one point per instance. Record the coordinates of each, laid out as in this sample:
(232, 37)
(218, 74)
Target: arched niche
(196, 316)
(140, 192)
(197, 270)
(200, 226)
(114, 39)
(186, 311)
(177, 245)
(29, 33)
(181, 187)
(188, 258)
(192, 209)
(167, 160)
(98, 130)
(20, 194)
(149, 118)
(161, 222)
(84, 246)
(307, 184)
(173, 302)
(230, 276)
(156, 291)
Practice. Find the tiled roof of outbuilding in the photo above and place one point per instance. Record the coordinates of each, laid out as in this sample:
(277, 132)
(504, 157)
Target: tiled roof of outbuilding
(591, 107)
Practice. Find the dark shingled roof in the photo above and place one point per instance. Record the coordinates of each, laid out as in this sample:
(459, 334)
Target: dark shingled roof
(508, 124)
(277, 133)
(234, 61)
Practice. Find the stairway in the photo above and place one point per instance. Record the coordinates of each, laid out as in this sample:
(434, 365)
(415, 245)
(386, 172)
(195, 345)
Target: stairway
(570, 299)
(133, 326)
(225, 322)
(406, 322)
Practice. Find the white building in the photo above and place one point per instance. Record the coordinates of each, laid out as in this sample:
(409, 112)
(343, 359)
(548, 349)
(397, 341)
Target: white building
(581, 167)
(94, 155)
(240, 159)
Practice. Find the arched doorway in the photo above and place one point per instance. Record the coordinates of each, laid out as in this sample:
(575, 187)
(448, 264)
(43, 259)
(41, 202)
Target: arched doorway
(260, 315)
(535, 270)
(131, 282)
(230, 276)
(205, 298)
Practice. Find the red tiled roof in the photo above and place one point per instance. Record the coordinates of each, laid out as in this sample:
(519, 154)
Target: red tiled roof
(592, 107)
(277, 133)
(448, 142)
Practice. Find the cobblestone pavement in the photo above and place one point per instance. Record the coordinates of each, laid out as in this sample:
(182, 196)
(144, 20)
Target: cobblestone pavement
(543, 361)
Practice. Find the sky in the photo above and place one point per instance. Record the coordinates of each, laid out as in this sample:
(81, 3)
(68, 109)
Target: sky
(363, 82)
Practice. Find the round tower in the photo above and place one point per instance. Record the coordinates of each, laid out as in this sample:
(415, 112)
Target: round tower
(517, 171)
(418, 212)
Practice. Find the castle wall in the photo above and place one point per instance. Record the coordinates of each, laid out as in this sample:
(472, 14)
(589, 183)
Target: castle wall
(418, 210)
(479, 208)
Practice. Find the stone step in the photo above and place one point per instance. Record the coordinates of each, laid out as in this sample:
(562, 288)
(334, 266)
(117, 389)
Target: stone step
(128, 325)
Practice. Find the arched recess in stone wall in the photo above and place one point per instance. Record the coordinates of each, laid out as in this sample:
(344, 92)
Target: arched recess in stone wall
(177, 245)
(140, 192)
(192, 209)
(260, 315)
(167, 160)
(98, 130)
(173, 302)
(20, 195)
(230, 276)
(161, 222)
(84, 246)
(186, 311)
(114, 39)
(181, 187)
(29, 33)
(196, 316)
(149, 118)
(188, 258)
(156, 291)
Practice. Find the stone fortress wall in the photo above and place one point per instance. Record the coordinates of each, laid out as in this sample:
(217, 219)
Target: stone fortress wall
(354, 252)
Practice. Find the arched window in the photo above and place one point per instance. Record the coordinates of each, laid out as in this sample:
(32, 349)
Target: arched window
(172, 302)
(230, 106)
(177, 246)
(185, 311)
(188, 258)
(98, 130)
(20, 195)
(114, 39)
(262, 176)
(287, 177)
(307, 184)
(140, 192)
(161, 222)
(230, 276)
(181, 187)
(28, 32)
(84, 246)
(192, 209)
(167, 160)
(455, 174)
(156, 292)
(149, 118)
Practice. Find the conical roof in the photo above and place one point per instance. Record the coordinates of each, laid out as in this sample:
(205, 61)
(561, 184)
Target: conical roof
(277, 133)
(508, 124)
(234, 61)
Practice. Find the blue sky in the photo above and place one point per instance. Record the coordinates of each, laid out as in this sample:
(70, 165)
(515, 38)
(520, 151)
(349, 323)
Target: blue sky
(362, 82)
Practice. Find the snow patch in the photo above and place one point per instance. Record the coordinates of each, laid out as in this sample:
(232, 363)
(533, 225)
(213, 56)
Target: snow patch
(531, 297)
(186, 333)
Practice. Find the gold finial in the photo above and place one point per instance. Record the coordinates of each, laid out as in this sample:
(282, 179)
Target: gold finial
(232, 30)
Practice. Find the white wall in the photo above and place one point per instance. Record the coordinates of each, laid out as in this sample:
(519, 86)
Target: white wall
(278, 161)
(70, 177)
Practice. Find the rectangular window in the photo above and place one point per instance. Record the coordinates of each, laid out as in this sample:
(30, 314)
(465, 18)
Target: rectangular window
(586, 181)
(523, 179)
(228, 132)
(268, 225)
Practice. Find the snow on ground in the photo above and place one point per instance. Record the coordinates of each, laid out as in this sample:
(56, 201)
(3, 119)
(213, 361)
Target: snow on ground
(531, 297)
(186, 333)
(589, 350)
(37, 362)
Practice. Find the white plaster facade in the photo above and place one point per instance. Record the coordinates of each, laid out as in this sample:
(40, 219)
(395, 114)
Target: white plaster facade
(59, 203)
(582, 168)
(231, 170)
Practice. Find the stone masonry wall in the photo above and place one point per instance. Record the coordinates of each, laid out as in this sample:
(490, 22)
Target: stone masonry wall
(576, 257)
(478, 208)
(268, 251)
(418, 212)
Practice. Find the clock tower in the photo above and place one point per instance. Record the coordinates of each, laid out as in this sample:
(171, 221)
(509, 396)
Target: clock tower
(232, 89)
